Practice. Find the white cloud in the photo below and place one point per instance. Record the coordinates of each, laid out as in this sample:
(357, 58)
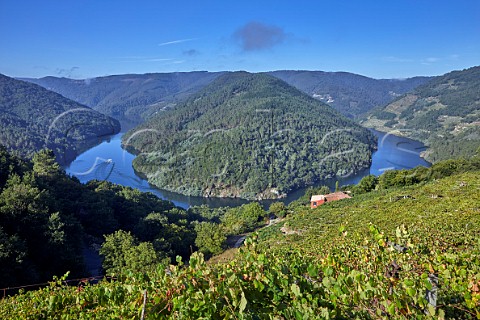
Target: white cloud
(432, 59)
(428, 61)
(157, 60)
(396, 59)
(142, 59)
(176, 41)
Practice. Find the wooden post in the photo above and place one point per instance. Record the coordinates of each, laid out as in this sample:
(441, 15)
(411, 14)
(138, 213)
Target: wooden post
(144, 303)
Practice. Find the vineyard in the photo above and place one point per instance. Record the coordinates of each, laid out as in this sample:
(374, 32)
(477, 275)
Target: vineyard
(410, 252)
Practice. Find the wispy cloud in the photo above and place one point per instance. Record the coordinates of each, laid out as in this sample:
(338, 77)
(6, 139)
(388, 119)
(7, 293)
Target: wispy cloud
(255, 36)
(176, 41)
(137, 59)
(430, 60)
(157, 59)
(396, 59)
(425, 61)
(142, 59)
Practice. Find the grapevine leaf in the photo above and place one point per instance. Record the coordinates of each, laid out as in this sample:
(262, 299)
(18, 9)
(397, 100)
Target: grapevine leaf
(243, 303)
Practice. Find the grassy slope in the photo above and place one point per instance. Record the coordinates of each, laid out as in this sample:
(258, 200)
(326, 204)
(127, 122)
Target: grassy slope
(323, 272)
(443, 211)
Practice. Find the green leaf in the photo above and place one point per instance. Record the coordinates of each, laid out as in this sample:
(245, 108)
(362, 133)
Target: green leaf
(391, 308)
(299, 315)
(428, 284)
(431, 309)
(411, 292)
(408, 283)
(441, 314)
(312, 270)
(178, 259)
(258, 285)
(243, 303)
(328, 271)
(295, 289)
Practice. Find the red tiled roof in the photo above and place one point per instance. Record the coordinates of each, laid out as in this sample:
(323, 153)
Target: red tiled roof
(330, 197)
(336, 196)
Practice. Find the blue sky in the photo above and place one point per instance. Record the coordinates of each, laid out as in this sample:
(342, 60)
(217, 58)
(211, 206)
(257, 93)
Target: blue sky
(380, 39)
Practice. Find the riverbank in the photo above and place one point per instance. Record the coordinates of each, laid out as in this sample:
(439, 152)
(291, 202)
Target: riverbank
(393, 152)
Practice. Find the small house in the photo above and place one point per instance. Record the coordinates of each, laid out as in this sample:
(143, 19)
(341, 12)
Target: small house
(318, 200)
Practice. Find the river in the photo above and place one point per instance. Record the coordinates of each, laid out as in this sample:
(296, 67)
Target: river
(108, 161)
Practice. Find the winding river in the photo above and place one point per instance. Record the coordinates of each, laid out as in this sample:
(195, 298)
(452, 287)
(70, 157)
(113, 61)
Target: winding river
(108, 161)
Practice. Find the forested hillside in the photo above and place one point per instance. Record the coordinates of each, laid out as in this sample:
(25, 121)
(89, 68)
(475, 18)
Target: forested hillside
(444, 114)
(33, 118)
(349, 93)
(130, 98)
(250, 136)
(406, 249)
(48, 219)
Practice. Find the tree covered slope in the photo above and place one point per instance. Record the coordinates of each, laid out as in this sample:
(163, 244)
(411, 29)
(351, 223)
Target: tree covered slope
(48, 220)
(444, 113)
(250, 136)
(33, 118)
(349, 93)
(130, 98)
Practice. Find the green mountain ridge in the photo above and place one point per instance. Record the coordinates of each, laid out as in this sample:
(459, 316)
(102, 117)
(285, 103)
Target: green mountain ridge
(443, 113)
(33, 118)
(133, 98)
(130, 98)
(248, 135)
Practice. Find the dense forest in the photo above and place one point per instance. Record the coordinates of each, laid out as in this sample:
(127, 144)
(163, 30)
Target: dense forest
(351, 94)
(33, 118)
(48, 220)
(406, 246)
(130, 98)
(444, 113)
(250, 136)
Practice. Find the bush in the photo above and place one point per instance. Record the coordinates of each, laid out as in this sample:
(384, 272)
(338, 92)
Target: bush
(278, 209)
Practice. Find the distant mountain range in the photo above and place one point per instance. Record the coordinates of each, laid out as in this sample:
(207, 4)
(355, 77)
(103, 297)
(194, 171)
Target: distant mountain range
(32, 118)
(132, 99)
(349, 93)
(444, 113)
(248, 135)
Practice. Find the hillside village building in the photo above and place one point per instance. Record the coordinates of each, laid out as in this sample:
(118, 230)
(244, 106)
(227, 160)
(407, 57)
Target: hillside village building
(318, 200)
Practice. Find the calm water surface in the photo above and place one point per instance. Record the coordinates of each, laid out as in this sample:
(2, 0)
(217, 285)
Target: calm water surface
(108, 161)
